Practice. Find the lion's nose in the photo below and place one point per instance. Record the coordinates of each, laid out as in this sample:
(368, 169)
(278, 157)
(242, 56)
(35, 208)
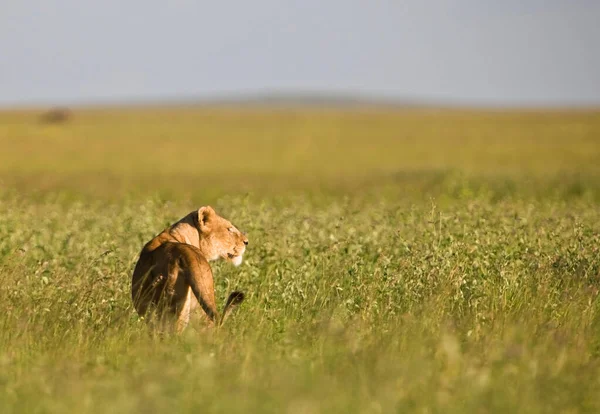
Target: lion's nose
(246, 242)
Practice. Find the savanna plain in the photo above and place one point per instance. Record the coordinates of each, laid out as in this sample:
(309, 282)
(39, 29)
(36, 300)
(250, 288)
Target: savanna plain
(416, 260)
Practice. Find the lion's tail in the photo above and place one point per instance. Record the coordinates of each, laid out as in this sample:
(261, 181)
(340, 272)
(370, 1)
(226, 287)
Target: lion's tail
(234, 299)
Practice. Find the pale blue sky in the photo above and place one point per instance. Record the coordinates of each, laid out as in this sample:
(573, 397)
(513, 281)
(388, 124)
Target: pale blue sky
(512, 52)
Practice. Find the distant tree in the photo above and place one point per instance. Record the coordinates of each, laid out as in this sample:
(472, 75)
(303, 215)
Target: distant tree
(55, 116)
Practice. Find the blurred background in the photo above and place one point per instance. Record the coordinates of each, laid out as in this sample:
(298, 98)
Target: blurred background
(95, 96)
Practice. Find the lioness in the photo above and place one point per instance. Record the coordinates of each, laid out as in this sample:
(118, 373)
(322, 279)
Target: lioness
(172, 274)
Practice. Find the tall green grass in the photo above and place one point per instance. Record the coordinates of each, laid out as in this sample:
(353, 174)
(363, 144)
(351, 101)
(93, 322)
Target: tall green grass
(398, 261)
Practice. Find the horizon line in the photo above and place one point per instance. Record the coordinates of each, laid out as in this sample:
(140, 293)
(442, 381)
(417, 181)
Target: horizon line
(292, 99)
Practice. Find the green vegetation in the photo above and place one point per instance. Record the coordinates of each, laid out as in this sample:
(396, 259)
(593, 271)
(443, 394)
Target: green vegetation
(399, 261)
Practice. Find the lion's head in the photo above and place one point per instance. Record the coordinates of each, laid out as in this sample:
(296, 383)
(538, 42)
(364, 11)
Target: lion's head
(220, 238)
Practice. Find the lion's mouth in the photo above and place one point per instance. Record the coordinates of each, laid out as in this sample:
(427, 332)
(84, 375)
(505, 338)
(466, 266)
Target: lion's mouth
(236, 259)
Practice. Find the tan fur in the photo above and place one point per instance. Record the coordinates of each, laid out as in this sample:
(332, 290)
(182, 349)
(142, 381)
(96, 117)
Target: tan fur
(172, 276)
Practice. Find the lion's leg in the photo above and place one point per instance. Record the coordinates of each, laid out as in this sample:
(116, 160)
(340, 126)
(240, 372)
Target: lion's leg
(183, 312)
(144, 283)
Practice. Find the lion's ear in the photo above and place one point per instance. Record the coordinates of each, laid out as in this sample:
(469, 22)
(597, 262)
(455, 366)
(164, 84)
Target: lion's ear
(205, 215)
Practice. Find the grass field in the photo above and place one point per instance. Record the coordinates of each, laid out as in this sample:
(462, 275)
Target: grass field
(399, 261)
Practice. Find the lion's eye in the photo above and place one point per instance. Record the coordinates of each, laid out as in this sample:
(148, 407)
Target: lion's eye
(230, 229)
